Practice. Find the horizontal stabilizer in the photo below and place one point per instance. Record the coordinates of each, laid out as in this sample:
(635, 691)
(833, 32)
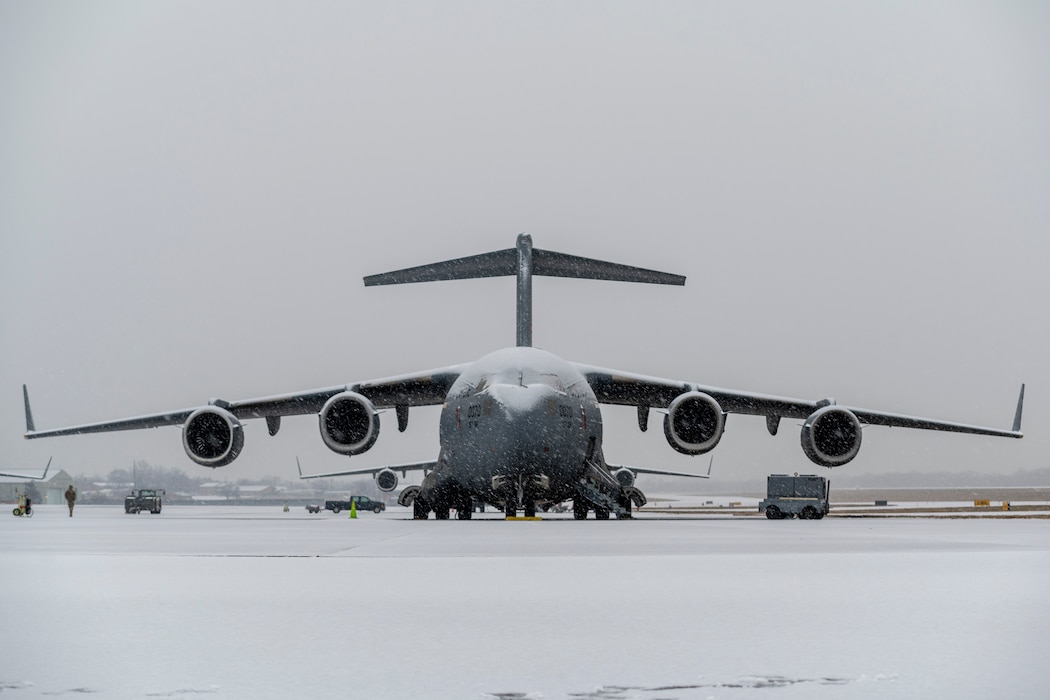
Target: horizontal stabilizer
(504, 263)
(497, 264)
(524, 262)
(551, 264)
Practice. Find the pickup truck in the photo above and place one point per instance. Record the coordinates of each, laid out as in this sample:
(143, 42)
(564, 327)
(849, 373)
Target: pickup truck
(363, 503)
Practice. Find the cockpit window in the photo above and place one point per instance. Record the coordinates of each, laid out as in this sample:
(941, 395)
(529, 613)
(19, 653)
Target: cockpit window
(553, 381)
(550, 379)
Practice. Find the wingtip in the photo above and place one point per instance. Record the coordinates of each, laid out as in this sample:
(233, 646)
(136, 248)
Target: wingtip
(30, 425)
(1017, 415)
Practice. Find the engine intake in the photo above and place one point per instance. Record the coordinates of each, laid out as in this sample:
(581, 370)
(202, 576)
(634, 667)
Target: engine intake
(694, 423)
(212, 437)
(625, 476)
(349, 423)
(386, 480)
(831, 436)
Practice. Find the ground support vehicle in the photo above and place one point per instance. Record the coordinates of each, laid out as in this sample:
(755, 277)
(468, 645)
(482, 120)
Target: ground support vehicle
(24, 508)
(363, 503)
(805, 497)
(143, 499)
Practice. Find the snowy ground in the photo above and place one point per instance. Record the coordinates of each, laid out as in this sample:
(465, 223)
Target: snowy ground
(252, 602)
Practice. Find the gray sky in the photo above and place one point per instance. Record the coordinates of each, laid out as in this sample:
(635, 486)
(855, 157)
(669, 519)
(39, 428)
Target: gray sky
(859, 195)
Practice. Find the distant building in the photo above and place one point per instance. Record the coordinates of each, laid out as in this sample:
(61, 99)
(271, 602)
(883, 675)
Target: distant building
(255, 492)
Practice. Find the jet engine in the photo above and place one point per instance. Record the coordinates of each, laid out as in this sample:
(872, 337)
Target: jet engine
(386, 480)
(349, 423)
(212, 436)
(625, 476)
(831, 436)
(694, 423)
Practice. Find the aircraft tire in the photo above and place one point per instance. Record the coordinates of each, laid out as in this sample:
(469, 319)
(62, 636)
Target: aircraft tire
(579, 510)
(601, 513)
(530, 509)
(420, 511)
(625, 512)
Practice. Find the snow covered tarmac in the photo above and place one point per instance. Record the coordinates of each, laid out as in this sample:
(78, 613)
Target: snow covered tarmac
(239, 602)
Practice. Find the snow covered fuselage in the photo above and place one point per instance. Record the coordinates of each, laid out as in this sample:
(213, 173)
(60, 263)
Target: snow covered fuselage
(519, 424)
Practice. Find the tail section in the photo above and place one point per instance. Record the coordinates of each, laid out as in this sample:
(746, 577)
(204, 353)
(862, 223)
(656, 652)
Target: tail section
(523, 261)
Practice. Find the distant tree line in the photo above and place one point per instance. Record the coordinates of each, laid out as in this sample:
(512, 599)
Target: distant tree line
(143, 475)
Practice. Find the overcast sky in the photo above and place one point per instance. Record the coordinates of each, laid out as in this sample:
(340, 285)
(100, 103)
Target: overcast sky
(858, 194)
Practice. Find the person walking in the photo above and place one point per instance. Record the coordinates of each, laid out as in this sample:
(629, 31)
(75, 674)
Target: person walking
(71, 498)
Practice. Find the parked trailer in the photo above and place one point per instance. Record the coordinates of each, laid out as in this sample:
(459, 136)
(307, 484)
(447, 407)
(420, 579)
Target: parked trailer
(805, 497)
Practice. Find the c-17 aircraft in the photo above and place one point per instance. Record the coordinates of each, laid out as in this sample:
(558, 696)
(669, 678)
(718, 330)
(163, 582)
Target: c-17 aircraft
(520, 427)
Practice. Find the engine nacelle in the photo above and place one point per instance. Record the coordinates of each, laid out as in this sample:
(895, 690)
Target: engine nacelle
(349, 423)
(694, 423)
(625, 476)
(212, 436)
(831, 436)
(386, 480)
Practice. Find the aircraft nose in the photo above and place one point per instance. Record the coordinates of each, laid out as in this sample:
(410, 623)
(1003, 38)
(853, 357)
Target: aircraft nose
(521, 402)
(530, 413)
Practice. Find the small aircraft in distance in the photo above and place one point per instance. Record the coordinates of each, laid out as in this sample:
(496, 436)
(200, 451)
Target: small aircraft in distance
(27, 476)
(520, 427)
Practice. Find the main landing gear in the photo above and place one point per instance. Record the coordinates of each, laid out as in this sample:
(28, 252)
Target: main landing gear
(580, 507)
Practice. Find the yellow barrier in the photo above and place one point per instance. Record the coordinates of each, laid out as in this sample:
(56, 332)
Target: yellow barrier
(982, 503)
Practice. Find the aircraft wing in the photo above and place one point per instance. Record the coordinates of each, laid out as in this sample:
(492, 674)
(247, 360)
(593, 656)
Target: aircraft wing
(27, 476)
(627, 389)
(426, 388)
(369, 471)
(660, 472)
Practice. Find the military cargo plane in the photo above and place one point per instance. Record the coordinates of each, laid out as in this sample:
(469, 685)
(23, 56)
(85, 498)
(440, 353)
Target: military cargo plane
(520, 427)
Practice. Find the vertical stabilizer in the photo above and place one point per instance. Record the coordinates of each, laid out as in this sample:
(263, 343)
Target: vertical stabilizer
(524, 290)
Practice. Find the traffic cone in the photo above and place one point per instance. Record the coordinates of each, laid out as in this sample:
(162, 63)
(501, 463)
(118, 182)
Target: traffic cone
(353, 509)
